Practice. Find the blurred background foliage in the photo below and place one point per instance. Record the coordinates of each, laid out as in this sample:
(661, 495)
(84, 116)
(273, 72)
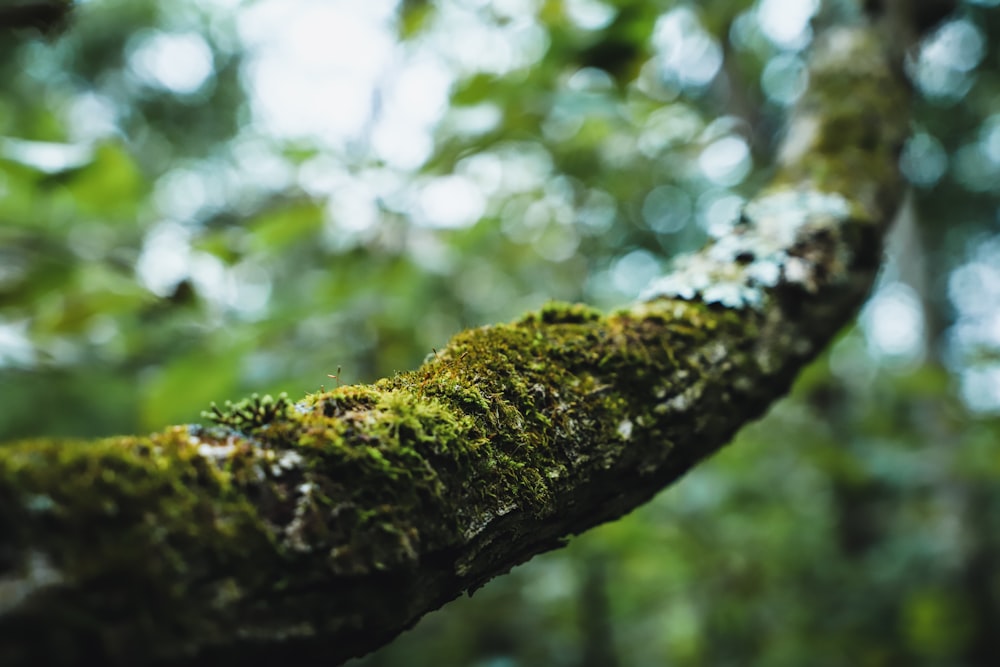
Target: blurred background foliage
(203, 199)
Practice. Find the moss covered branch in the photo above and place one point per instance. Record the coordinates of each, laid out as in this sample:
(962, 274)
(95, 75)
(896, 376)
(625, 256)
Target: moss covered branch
(319, 529)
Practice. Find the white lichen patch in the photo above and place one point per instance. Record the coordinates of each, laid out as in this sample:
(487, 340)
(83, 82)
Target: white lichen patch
(706, 277)
(778, 217)
(35, 574)
(478, 524)
(295, 531)
(215, 453)
(683, 400)
(796, 270)
(759, 253)
(765, 272)
(733, 295)
(287, 460)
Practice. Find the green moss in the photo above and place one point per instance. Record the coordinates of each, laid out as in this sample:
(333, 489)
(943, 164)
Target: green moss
(557, 312)
(495, 419)
(858, 103)
(488, 441)
(251, 413)
(142, 529)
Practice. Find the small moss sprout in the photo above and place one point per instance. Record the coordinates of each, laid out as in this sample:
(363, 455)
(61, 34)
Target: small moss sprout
(250, 414)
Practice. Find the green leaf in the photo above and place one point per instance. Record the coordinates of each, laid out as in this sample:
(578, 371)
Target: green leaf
(290, 223)
(110, 187)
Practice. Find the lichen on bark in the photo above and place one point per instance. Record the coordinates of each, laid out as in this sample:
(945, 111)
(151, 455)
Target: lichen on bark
(318, 529)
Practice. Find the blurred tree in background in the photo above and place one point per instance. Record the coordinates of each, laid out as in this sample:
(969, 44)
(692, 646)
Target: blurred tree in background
(200, 200)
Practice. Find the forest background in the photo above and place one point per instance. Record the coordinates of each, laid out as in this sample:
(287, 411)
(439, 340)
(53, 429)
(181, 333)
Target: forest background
(203, 200)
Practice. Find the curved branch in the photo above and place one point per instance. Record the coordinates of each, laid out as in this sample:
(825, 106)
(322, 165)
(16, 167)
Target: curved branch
(321, 529)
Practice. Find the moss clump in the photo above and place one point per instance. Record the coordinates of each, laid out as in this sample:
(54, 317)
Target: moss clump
(250, 414)
(134, 534)
(855, 102)
(558, 312)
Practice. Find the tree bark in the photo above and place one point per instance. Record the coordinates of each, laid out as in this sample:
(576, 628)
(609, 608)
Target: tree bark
(317, 530)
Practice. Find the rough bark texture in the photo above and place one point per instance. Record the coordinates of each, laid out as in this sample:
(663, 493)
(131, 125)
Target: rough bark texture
(318, 530)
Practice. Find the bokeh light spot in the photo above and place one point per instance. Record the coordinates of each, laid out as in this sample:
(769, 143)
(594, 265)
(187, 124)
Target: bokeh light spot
(633, 272)
(178, 62)
(924, 160)
(893, 322)
(726, 161)
(687, 54)
(666, 209)
(784, 79)
(786, 23)
(450, 202)
(942, 68)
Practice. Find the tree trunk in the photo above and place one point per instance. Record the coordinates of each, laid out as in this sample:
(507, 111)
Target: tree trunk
(315, 531)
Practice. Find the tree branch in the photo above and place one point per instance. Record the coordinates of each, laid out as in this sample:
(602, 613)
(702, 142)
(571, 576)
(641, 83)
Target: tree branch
(318, 530)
